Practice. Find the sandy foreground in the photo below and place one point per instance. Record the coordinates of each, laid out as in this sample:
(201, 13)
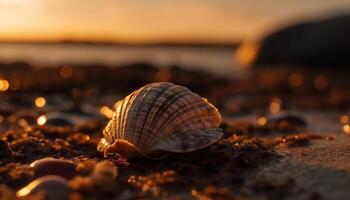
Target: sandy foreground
(301, 154)
(322, 166)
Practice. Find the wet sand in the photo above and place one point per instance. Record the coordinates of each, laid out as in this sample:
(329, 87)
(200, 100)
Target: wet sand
(301, 154)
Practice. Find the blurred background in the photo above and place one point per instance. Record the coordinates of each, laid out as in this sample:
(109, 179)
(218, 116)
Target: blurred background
(196, 33)
(223, 49)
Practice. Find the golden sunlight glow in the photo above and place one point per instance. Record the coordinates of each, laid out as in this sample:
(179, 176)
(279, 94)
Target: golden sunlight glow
(40, 102)
(247, 53)
(107, 112)
(4, 85)
(137, 22)
(344, 119)
(41, 120)
(147, 21)
(275, 105)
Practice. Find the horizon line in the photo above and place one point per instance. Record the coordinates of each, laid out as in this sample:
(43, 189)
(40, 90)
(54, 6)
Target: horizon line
(194, 43)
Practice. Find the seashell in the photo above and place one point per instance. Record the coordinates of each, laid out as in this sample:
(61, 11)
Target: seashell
(54, 187)
(53, 166)
(158, 118)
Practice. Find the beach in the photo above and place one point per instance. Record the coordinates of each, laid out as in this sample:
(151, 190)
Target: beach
(284, 136)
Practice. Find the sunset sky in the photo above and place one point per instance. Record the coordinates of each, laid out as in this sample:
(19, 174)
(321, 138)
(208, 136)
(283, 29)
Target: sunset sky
(154, 20)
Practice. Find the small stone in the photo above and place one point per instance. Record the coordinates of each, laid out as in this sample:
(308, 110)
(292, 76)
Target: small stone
(78, 138)
(58, 119)
(60, 143)
(102, 179)
(105, 170)
(283, 117)
(54, 188)
(53, 166)
(86, 167)
(58, 122)
(82, 183)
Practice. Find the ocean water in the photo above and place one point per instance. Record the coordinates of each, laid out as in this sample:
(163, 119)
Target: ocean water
(216, 60)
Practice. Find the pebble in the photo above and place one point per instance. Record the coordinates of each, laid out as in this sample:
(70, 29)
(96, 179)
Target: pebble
(105, 170)
(102, 179)
(286, 117)
(78, 138)
(53, 166)
(69, 120)
(54, 187)
(58, 119)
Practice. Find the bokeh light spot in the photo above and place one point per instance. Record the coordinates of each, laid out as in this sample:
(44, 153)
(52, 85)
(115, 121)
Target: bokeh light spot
(40, 102)
(4, 85)
(41, 120)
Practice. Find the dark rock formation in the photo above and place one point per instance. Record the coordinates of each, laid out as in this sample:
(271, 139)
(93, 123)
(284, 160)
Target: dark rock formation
(318, 43)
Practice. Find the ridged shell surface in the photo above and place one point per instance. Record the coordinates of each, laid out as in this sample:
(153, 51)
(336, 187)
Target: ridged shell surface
(164, 116)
